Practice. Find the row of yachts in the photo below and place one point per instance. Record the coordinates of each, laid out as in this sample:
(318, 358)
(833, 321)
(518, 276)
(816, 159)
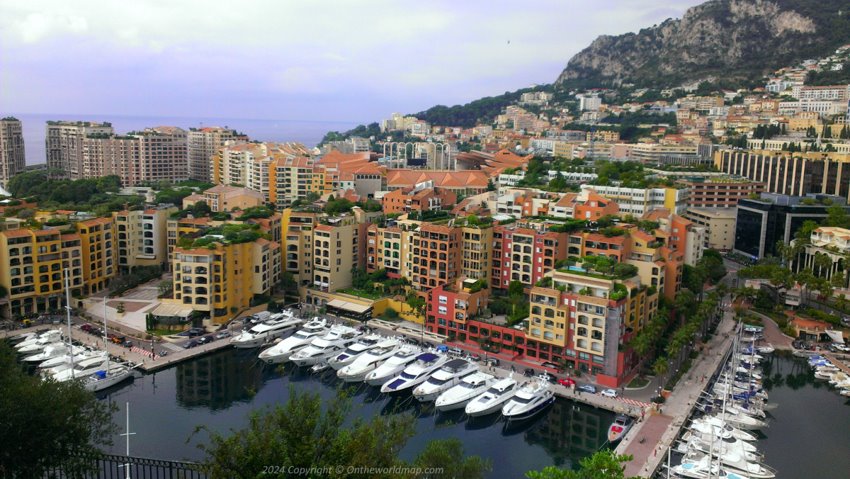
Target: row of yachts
(721, 443)
(825, 370)
(56, 357)
(394, 366)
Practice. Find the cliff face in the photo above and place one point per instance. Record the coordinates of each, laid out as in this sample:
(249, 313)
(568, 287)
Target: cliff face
(721, 38)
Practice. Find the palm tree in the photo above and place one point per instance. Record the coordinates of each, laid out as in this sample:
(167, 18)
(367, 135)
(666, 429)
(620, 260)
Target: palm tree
(660, 368)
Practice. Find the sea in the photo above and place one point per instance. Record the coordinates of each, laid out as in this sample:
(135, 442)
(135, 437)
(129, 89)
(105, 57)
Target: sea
(309, 133)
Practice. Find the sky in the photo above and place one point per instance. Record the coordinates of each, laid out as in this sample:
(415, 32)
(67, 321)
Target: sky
(322, 60)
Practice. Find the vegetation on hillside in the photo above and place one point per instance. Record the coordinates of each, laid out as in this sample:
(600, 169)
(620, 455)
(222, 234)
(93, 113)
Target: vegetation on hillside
(97, 195)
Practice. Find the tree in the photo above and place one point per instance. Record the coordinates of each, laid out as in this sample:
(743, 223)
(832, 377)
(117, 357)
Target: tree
(47, 424)
(601, 465)
(304, 434)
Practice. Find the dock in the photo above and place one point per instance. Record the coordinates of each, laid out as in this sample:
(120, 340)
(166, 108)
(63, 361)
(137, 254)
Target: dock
(142, 358)
(649, 440)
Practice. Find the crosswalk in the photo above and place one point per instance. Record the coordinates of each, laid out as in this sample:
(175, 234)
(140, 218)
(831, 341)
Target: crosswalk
(143, 352)
(635, 402)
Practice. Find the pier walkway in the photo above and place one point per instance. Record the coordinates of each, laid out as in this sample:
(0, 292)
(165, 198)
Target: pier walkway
(647, 442)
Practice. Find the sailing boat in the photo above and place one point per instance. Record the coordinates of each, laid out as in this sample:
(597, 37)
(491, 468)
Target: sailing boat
(113, 374)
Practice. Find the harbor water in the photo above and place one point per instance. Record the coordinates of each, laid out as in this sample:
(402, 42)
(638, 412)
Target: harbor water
(809, 431)
(221, 389)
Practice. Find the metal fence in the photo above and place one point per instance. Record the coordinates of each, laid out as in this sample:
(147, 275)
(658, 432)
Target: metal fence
(109, 466)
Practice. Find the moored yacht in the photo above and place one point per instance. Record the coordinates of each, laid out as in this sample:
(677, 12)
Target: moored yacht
(529, 401)
(354, 351)
(321, 349)
(734, 461)
(619, 427)
(720, 428)
(393, 366)
(468, 389)
(50, 351)
(493, 398)
(368, 362)
(277, 326)
(34, 347)
(281, 351)
(449, 375)
(49, 336)
(78, 353)
(415, 374)
(114, 373)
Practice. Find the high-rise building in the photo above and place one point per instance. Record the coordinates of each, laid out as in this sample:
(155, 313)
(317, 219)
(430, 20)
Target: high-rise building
(524, 254)
(105, 155)
(64, 145)
(142, 236)
(99, 253)
(162, 154)
(12, 157)
(203, 144)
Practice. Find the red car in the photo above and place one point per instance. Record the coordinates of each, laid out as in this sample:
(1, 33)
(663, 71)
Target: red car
(567, 382)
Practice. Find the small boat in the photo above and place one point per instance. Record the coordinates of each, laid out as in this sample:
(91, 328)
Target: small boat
(319, 367)
(530, 400)
(368, 362)
(619, 427)
(393, 366)
(282, 351)
(445, 378)
(766, 349)
(354, 351)
(493, 399)
(324, 348)
(468, 389)
(415, 374)
(826, 373)
(845, 392)
(277, 326)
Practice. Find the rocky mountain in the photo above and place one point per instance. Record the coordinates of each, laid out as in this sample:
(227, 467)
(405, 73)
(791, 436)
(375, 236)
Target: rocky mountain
(730, 39)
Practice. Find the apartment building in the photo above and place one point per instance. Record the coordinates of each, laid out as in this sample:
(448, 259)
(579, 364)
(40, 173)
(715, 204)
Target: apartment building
(339, 246)
(796, 174)
(292, 179)
(178, 227)
(436, 256)
(639, 201)
(64, 145)
(717, 192)
(202, 146)
(223, 198)
(450, 307)
(659, 154)
(420, 198)
(585, 321)
(591, 206)
(223, 281)
(100, 255)
(162, 154)
(142, 236)
(719, 224)
(297, 229)
(105, 155)
(826, 241)
(384, 250)
(476, 252)
(31, 271)
(12, 156)
(524, 254)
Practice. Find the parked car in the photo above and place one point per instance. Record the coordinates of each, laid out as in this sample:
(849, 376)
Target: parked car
(551, 365)
(127, 344)
(196, 332)
(611, 393)
(191, 344)
(528, 372)
(222, 334)
(492, 361)
(455, 351)
(588, 388)
(548, 377)
(204, 339)
(567, 382)
(475, 357)
(87, 328)
(117, 339)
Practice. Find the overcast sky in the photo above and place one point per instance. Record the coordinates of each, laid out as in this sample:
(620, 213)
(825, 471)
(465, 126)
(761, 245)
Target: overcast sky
(298, 60)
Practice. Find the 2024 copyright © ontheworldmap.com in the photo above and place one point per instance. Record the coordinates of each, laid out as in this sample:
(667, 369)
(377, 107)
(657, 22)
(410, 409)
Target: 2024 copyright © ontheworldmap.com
(339, 470)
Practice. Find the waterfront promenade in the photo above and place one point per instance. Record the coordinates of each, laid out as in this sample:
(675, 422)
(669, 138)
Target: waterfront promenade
(648, 440)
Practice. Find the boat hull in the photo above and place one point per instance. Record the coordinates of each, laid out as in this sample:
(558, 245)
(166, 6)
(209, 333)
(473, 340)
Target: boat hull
(524, 415)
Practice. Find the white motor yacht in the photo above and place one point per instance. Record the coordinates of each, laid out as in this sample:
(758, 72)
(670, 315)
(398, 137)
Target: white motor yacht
(493, 398)
(91, 360)
(734, 461)
(712, 443)
(393, 366)
(368, 362)
(530, 400)
(334, 341)
(703, 469)
(114, 373)
(78, 353)
(742, 421)
(415, 374)
(36, 345)
(50, 351)
(277, 326)
(20, 338)
(720, 428)
(445, 378)
(281, 351)
(460, 395)
(766, 349)
(80, 371)
(354, 351)
(49, 336)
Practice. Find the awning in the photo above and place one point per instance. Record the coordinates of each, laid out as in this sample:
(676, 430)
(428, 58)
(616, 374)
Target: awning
(172, 310)
(835, 336)
(345, 305)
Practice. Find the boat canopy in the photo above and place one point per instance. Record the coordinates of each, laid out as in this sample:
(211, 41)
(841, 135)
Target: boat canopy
(835, 336)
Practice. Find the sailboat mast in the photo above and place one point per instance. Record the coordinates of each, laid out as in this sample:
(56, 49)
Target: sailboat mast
(68, 314)
(105, 335)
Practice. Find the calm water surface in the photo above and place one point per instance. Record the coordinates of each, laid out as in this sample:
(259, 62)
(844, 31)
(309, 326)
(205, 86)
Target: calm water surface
(220, 390)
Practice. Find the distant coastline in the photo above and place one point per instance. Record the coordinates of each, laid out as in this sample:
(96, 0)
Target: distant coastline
(307, 132)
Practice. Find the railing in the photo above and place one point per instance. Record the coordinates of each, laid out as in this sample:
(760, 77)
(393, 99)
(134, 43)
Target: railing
(110, 466)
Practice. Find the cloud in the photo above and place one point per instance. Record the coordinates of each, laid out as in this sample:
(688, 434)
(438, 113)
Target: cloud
(322, 59)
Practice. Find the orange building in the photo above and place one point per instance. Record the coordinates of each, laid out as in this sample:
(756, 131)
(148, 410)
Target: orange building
(594, 206)
(406, 200)
(438, 256)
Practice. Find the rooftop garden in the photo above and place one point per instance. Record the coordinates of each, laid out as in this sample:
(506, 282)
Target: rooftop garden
(227, 234)
(374, 285)
(98, 195)
(337, 206)
(600, 267)
(255, 212)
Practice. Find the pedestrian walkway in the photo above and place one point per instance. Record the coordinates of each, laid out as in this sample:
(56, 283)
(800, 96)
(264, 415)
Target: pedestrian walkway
(649, 440)
(635, 402)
